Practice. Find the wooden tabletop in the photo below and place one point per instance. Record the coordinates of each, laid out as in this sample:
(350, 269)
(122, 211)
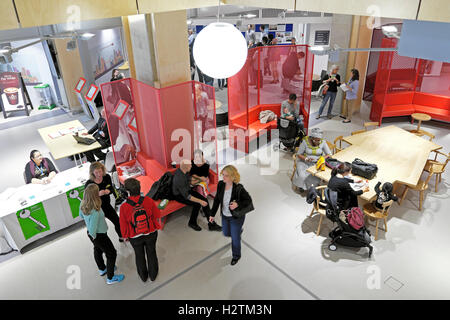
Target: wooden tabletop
(421, 116)
(399, 155)
(65, 146)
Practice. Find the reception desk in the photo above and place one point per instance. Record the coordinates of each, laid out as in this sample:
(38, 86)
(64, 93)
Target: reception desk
(33, 211)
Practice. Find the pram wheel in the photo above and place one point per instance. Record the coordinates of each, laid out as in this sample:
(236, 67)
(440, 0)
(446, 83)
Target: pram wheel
(332, 247)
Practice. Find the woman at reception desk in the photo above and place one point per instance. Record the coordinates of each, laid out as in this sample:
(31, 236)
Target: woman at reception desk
(39, 170)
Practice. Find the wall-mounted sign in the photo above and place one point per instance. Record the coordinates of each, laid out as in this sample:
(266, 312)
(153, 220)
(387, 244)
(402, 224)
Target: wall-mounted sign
(80, 85)
(92, 92)
(121, 109)
(322, 38)
(132, 125)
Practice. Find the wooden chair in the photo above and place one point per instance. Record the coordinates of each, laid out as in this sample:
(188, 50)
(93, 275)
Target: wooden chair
(294, 156)
(438, 167)
(421, 187)
(338, 144)
(332, 147)
(428, 134)
(366, 126)
(319, 207)
(373, 212)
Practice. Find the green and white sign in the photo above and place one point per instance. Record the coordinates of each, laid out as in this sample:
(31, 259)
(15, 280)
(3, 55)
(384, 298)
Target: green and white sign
(74, 198)
(33, 220)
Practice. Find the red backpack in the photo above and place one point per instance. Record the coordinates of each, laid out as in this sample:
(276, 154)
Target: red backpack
(355, 218)
(140, 219)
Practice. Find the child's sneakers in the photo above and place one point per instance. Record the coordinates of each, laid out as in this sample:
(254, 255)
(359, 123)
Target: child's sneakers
(103, 272)
(115, 279)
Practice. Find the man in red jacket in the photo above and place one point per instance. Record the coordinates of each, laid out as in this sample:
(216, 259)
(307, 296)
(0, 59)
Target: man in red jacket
(139, 224)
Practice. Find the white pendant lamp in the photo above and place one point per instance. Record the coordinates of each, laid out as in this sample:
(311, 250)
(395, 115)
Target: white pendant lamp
(220, 50)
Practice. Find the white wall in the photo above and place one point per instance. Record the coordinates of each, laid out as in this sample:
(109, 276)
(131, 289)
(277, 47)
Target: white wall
(320, 62)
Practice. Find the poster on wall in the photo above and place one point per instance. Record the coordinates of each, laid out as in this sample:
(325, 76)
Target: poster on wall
(12, 93)
(33, 220)
(106, 51)
(74, 198)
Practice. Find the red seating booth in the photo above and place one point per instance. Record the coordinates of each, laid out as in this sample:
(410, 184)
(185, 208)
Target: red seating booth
(153, 128)
(255, 88)
(406, 85)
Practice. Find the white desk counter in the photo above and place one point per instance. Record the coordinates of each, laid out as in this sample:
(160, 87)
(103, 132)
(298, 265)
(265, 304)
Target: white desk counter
(33, 211)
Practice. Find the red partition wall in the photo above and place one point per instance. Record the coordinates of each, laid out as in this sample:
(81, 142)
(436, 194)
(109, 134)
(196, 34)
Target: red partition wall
(268, 77)
(120, 112)
(406, 85)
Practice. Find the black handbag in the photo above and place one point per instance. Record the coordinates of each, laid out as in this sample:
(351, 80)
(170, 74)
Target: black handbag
(239, 212)
(332, 163)
(364, 169)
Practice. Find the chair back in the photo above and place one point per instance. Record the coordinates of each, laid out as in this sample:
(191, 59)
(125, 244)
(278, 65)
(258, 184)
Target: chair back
(332, 147)
(432, 172)
(386, 207)
(370, 124)
(428, 134)
(338, 144)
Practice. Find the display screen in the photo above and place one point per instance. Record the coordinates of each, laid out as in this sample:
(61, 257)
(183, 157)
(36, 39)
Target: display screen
(92, 90)
(121, 109)
(80, 85)
(132, 124)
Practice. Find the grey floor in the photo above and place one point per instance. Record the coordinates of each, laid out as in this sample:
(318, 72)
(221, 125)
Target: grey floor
(282, 258)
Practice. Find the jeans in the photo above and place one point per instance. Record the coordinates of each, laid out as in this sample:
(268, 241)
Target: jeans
(112, 216)
(328, 96)
(232, 227)
(103, 245)
(221, 82)
(146, 245)
(195, 206)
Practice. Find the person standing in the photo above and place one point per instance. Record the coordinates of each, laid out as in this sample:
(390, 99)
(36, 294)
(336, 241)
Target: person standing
(94, 218)
(250, 35)
(232, 197)
(274, 59)
(182, 192)
(351, 95)
(98, 176)
(139, 224)
(116, 75)
(332, 81)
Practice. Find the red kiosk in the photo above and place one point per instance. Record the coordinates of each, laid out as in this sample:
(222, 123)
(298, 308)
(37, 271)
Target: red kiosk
(152, 128)
(406, 85)
(269, 75)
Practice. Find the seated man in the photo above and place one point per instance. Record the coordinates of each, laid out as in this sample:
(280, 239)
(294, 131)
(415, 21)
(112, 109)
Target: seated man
(182, 192)
(290, 110)
(39, 170)
(101, 134)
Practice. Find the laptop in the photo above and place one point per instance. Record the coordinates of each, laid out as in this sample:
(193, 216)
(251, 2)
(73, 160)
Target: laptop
(82, 140)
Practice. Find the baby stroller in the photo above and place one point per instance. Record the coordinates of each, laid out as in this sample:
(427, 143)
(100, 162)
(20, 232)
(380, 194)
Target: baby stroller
(290, 134)
(344, 234)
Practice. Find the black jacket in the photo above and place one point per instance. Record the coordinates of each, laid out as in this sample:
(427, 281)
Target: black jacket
(238, 194)
(101, 125)
(347, 197)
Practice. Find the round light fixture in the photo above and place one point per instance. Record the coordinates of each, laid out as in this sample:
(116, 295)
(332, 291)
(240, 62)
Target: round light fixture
(220, 50)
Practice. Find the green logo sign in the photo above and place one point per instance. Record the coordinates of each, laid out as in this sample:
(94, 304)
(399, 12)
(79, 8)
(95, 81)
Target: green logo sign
(74, 198)
(33, 220)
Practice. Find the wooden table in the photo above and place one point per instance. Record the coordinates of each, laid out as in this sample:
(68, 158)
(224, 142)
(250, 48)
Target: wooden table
(65, 146)
(399, 155)
(419, 117)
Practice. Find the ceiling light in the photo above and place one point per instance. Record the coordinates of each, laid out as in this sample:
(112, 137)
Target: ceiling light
(250, 15)
(4, 50)
(220, 50)
(87, 36)
(189, 21)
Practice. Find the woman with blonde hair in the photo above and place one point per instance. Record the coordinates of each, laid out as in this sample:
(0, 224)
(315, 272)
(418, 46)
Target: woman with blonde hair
(91, 212)
(98, 176)
(235, 203)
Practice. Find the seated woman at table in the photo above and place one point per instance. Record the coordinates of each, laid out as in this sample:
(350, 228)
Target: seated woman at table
(340, 182)
(39, 170)
(310, 150)
(200, 173)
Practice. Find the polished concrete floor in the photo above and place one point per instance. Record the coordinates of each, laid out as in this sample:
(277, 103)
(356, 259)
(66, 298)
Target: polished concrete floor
(282, 258)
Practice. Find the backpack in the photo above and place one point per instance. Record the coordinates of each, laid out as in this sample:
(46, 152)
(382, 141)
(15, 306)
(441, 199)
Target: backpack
(140, 222)
(355, 218)
(162, 189)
